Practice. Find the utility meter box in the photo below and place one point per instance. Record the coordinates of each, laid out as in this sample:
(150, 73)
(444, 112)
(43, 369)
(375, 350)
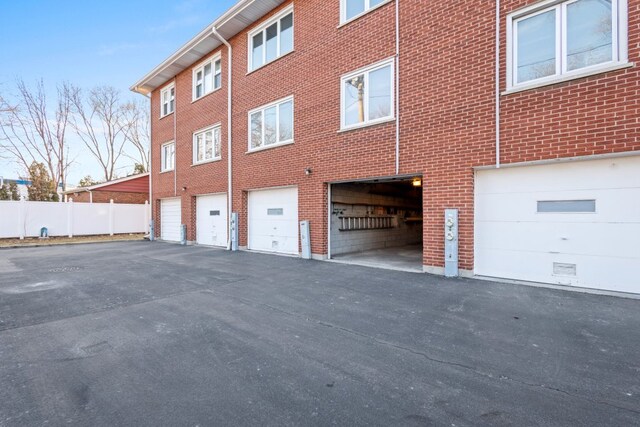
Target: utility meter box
(451, 242)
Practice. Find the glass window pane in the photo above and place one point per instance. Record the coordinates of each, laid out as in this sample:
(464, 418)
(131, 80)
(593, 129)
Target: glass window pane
(286, 34)
(353, 8)
(354, 100)
(257, 51)
(256, 129)
(567, 206)
(208, 146)
(270, 126)
(380, 93)
(217, 79)
(536, 46)
(216, 142)
(272, 42)
(199, 148)
(589, 33)
(373, 3)
(208, 81)
(286, 121)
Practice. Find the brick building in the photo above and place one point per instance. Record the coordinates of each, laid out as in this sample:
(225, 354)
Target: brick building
(369, 118)
(132, 190)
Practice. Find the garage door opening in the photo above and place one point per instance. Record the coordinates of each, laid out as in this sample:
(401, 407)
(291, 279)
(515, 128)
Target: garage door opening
(377, 223)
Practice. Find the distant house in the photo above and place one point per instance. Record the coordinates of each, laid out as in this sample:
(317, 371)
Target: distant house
(132, 189)
(23, 185)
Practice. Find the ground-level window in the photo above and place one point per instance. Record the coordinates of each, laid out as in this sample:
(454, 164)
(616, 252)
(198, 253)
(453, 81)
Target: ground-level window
(367, 95)
(207, 77)
(271, 124)
(168, 156)
(167, 100)
(206, 145)
(560, 38)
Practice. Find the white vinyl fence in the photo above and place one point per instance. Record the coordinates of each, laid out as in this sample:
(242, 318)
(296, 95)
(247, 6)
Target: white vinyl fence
(19, 219)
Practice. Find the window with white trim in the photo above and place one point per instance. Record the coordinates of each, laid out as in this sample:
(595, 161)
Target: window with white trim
(207, 77)
(206, 145)
(558, 39)
(168, 156)
(367, 96)
(271, 124)
(167, 100)
(272, 40)
(351, 9)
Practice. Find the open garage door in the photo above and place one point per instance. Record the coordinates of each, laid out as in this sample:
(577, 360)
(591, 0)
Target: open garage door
(377, 223)
(273, 220)
(211, 220)
(170, 214)
(571, 223)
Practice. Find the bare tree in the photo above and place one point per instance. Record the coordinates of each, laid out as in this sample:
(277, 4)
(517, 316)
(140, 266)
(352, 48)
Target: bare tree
(99, 121)
(30, 133)
(137, 131)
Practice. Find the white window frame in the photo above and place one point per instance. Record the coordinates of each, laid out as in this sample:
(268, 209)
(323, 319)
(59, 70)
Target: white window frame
(163, 157)
(200, 67)
(217, 127)
(262, 109)
(367, 9)
(619, 42)
(165, 90)
(263, 29)
(366, 70)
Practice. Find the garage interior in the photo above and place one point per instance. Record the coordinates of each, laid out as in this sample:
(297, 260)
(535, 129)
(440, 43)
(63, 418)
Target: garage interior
(378, 223)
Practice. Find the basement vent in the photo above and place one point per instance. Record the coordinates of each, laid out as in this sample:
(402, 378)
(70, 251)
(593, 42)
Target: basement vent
(563, 269)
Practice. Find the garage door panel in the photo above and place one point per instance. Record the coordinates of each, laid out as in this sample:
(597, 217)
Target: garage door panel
(599, 249)
(273, 220)
(170, 219)
(211, 220)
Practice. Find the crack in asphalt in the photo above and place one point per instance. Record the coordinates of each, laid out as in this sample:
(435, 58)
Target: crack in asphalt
(424, 355)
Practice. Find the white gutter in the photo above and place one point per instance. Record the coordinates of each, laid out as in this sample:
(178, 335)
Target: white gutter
(397, 71)
(497, 84)
(229, 134)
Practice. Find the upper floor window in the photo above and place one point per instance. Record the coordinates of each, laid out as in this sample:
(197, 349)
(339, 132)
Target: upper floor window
(167, 100)
(555, 40)
(351, 9)
(272, 40)
(368, 95)
(206, 145)
(207, 77)
(168, 156)
(271, 124)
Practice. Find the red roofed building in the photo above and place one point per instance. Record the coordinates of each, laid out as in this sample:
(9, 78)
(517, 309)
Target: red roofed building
(132, 189)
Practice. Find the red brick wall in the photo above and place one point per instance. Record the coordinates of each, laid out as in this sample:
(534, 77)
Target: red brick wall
(107, 196)
(447, 114)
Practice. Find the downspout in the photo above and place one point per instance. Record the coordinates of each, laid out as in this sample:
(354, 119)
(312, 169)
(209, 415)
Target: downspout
(397, 72)
(175, 139)
(151, 204)
(497, 84)
(214, 30)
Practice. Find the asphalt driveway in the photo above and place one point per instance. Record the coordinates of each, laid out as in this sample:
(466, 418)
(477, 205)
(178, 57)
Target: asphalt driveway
(151, 334)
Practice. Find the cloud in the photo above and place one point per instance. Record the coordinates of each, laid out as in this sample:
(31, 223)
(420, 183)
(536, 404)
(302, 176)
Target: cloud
(112, 49)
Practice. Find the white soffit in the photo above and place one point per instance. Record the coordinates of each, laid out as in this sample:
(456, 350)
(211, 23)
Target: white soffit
(235, 20)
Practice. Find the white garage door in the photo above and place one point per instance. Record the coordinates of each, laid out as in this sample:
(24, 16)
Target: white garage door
(211, 220)
(273, 220)
(170, 220)
(574, 223)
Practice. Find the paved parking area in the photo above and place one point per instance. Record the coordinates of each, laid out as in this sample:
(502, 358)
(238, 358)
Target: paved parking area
(151, 334)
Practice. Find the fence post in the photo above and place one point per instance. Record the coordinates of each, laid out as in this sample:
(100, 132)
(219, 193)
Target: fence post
(22, 220)
(70, 218)
(111, 215)
(147, 212)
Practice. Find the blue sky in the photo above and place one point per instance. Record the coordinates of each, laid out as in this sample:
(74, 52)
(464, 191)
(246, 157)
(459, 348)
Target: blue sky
(91, 43)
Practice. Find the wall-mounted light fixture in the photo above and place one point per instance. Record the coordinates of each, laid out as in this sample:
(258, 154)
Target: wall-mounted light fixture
(307, 171)
(417, 182)
(184, 188)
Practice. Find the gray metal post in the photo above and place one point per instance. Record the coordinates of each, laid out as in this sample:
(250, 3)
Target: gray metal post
(152, 231)
(183, 234)
(305, 239)
(233, 225)
(451, 242)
